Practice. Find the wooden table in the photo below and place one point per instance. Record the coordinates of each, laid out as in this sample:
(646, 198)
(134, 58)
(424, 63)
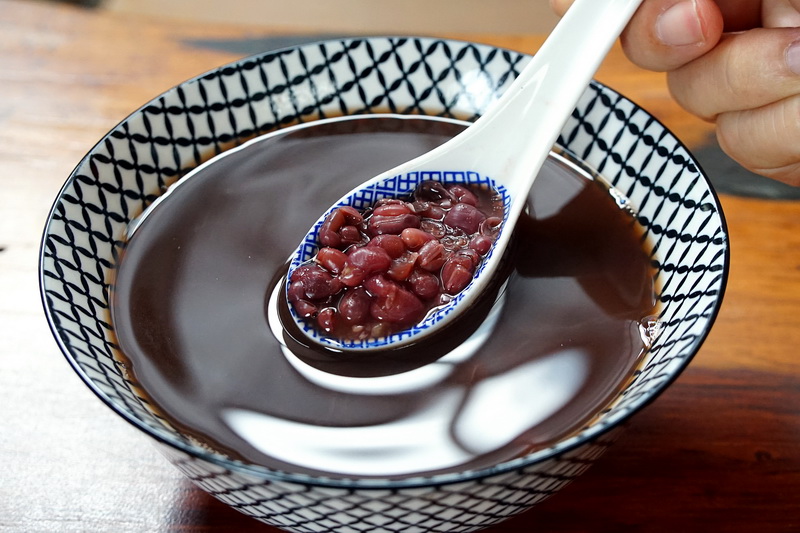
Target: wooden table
(730, 462)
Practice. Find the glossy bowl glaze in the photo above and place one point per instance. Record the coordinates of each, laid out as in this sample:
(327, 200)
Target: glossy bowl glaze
(174, 133)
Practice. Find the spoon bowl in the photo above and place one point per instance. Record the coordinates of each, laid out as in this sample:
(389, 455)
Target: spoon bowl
(503, 150)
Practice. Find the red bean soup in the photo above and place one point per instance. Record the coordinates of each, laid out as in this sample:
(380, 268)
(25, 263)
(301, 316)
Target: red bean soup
(383, 270)
(561, 335)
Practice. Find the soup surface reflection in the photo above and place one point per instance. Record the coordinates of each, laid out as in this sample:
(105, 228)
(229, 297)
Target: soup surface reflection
(190, 318)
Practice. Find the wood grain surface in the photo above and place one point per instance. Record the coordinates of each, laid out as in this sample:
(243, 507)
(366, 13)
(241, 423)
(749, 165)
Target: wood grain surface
(719, 451)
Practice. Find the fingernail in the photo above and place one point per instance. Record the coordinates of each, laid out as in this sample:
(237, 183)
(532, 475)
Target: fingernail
(680, 25)
(792, 57)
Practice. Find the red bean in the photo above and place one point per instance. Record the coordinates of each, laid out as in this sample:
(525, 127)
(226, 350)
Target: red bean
(429, 210)
(354, 305)
(329, 231)
(351, 276)
(332, 259)
(326, 319)
(340, 226)
(304, 308)
(392, 210)
(424, 284)
(350, 235)
(471, 257)
(380, 286)
(393, 244)
(296, 291)
(456, 260)
(463, 195)
(393, 225)
(319, 284)
(414, 238)
(370, 259)
(431, 256)
(481, 244)
(399, 307)
(402, 266)
(455, 277)
(351, 214)
(302, 271)
(464, 217)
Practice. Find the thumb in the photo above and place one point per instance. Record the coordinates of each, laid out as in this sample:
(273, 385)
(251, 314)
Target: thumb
(667, 34)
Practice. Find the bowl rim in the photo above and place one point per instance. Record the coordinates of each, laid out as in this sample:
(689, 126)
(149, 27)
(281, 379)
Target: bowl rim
(563, 446)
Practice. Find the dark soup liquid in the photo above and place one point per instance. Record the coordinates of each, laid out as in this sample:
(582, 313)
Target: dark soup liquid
(191, 313)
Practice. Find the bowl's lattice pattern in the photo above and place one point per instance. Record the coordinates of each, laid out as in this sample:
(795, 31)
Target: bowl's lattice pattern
(174, 133)
(458, 507)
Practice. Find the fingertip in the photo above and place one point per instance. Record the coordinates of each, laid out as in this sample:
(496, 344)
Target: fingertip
(711, 21)
(560, 6)
(680, 25)
(666, 34)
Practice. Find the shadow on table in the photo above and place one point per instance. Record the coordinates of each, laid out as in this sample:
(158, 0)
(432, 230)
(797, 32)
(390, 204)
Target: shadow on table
(729, 178)
(691, 462)
(196, 510)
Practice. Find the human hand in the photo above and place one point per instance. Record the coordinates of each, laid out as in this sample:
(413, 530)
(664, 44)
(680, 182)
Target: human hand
(732, 62)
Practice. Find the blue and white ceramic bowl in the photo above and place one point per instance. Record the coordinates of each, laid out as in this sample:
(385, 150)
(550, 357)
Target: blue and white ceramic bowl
(164, 139)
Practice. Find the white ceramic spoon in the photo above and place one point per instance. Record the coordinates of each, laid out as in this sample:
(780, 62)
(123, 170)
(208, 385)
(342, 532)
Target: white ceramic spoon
(506, 148)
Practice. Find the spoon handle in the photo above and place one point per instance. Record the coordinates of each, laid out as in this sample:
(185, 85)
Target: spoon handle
(526, 121)
(509, 143)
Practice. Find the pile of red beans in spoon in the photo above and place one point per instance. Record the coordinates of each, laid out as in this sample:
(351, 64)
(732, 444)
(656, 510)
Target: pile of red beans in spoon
(383, 270)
